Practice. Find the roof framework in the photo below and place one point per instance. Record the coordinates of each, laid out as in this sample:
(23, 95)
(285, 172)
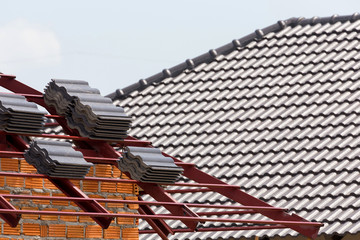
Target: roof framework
(102, 152)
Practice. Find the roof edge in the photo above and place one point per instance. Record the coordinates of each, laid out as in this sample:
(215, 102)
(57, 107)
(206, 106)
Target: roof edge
(223, 50)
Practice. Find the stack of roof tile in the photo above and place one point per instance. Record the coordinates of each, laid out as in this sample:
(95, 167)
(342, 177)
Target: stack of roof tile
(149, 165)
(18, 115)
(57, 159)
(93, 115)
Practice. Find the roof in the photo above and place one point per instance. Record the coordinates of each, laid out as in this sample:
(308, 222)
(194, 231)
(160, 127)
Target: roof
(276, 112)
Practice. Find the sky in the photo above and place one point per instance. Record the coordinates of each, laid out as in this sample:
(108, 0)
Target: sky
(114, 43)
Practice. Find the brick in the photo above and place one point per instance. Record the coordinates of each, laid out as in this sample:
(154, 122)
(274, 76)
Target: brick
(7, 230)
(2, 181)
(115, 205)
(49, 217)
(41, 201)
(124, 220)
(31, 229)
(32, 183)
(10, 164)
(43, 230)
(113, 232)
(30, 216)
(69, 218)
(97, 196)
(57, 230)
(14, 181)
(26, 168)
(93, 231)
(108, 187)
(49, 185)
(132, 206)
(116, 172)
(2, 191)
(136, 189)
(59, 202)
(76, 183)
(125, 188)
(85, 219)
(21, 201)
(90, 186)
(124, 176)
(91, 172)
(75, 231)
(130, 234)
(102, 170)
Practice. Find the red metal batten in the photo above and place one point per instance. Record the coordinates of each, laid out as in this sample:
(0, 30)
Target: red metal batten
(159, 216)
(217, 229)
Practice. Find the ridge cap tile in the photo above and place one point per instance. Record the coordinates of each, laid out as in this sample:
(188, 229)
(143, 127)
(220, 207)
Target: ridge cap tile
(209, 56)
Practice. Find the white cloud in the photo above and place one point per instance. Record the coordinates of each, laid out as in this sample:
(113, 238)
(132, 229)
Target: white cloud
(23, 45)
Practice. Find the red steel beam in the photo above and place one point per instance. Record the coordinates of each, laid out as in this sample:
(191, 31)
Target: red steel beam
(159, 225)
(10, 218)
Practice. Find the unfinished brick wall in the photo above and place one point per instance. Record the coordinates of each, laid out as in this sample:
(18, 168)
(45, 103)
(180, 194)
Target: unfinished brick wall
(32, 226)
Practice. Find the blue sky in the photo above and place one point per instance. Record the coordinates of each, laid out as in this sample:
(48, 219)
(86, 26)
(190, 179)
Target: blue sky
(112, 44)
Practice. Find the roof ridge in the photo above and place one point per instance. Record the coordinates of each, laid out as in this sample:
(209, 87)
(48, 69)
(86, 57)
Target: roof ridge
(237, 43)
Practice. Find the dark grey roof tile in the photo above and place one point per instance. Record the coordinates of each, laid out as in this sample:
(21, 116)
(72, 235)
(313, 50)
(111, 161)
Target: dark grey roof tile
(277, 116)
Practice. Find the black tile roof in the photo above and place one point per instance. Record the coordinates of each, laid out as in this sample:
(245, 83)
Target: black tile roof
(276, 112)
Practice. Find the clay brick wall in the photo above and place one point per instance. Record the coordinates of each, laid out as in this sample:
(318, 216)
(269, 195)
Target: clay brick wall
(32, 226)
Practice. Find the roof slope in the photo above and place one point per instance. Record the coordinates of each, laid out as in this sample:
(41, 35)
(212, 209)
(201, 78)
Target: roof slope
(276, 112)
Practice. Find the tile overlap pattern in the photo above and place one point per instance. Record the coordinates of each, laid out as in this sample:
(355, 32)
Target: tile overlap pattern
(279, 117)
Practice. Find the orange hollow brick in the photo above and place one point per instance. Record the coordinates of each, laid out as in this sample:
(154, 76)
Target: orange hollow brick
(91, 172)
(15, 181)
(2, 181)
(115, 205)
(132, 206)
(49, 185)
(93, 231)
(85, 219)
(113, 232)
(7, 230)
(68, 218)
(97, 196)
(123, 220)
(76, 183)
(57, 230)
(32, 183)
(49, 217)
(41, 201)
(75, 231)
(116, 172)
(10, 164)
(31, 229)
(26, 168)
(108, 187)
(90, 186)
(103, 170)
(59, 202)
(43, 230)
(30, 216)
(130, 234)
(125, 188)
